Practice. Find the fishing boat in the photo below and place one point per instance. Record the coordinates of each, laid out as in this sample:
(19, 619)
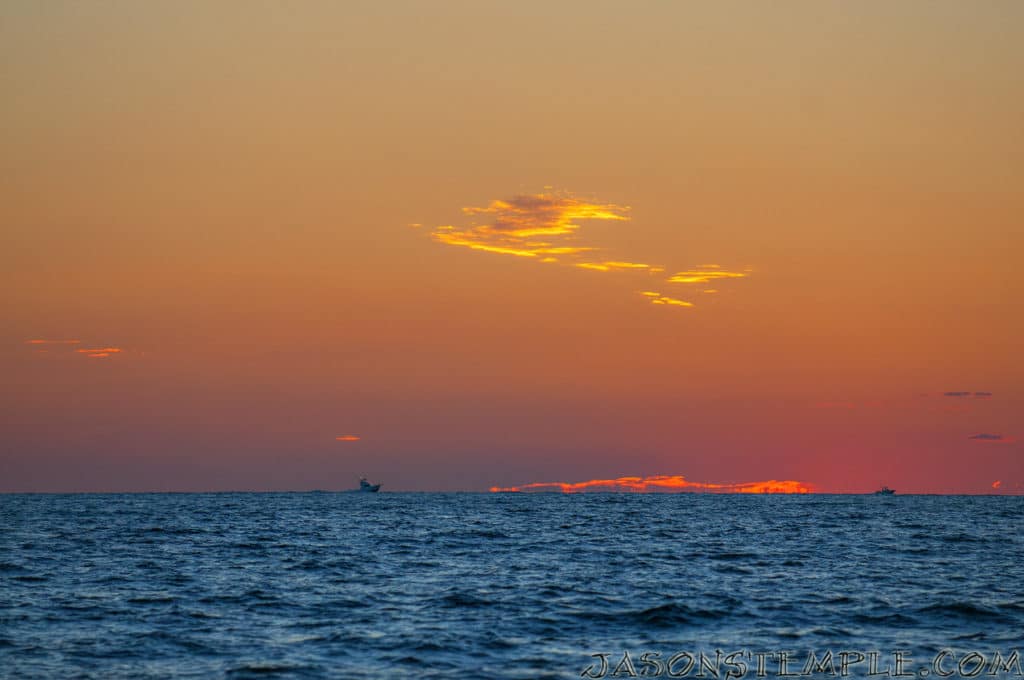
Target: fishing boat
(885, 491)
(366, 487)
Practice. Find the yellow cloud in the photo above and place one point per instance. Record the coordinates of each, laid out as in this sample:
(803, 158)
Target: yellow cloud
(529, 225)
(659, 299)
(548, 224)
(608, 266)
(704, 276)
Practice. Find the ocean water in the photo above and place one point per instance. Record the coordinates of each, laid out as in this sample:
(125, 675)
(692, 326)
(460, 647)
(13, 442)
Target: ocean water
(496, 585)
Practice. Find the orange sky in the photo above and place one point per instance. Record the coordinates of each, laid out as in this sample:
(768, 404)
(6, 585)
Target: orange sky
(295, 244)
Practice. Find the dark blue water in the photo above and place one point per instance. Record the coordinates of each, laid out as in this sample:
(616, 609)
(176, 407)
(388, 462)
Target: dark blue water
(492, 586)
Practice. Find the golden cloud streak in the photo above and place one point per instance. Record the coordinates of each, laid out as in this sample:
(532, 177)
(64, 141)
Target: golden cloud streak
(543, 225)
(701, 276)
(659, 299)
(347, 438)
(99, 353)
(53, 342)
(515, 225)
(661, 483)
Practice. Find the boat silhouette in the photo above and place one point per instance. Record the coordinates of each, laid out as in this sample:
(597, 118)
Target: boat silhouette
(366, 487)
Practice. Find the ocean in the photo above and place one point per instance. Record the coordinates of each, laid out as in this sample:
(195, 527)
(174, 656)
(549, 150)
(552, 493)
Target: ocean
(466, 585)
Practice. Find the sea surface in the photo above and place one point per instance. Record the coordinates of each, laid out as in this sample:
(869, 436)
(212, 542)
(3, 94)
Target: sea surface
(465, 585)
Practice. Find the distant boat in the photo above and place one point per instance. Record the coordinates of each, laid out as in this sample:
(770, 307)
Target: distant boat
(367, 487)
(885, 491)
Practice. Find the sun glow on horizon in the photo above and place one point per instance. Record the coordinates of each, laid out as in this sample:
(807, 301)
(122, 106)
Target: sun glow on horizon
(661, 484)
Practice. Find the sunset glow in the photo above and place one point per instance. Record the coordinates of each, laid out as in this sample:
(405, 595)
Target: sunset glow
(660, 484)
(486, 245)
(512, 339)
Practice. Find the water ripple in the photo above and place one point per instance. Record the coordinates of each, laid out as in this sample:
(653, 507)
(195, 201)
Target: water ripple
(480, 585)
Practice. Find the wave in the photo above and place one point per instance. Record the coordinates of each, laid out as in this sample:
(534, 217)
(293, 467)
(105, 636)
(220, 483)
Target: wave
(965, 610)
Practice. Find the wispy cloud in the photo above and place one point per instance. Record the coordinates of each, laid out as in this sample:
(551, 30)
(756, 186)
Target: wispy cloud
(347, 438)
(530, 225)
(962, 395)
(991, 438)
(662, 484)
(613, 265)
(659, 299)
(548, 227)
(100, 352)
(705, 274)
(69, 348)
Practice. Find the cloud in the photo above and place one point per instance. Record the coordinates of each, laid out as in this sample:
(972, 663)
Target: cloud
(99, 353)
(615, 265)
(662, 484)
(347, 438)
(976, 395)
(548, 227)
(530, 225)
(991, 438)
(67, 348)
(659, 299)
(705, 274)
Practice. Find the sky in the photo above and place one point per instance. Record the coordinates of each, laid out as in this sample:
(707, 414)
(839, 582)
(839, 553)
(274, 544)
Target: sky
(462, 246)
